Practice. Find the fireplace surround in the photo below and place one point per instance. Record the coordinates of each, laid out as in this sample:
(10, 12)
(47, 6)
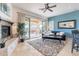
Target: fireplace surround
(5, 31)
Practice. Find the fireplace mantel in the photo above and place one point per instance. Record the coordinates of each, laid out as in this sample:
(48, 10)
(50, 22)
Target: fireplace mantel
(6, 21)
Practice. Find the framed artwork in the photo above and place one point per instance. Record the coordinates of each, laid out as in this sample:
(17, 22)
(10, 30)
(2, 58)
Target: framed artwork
(69, 24)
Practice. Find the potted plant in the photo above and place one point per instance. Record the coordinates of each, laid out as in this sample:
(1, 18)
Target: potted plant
(21, 31)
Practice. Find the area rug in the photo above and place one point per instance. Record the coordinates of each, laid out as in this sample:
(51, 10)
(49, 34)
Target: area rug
(47, 47)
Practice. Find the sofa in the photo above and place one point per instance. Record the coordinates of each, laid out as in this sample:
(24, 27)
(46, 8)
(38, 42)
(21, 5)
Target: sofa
(55, 35)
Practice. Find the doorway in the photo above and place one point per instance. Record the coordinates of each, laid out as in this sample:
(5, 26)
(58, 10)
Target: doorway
(33, 28)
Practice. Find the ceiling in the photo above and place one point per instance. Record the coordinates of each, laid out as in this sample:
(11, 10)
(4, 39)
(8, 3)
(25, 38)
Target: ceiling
(60, 9)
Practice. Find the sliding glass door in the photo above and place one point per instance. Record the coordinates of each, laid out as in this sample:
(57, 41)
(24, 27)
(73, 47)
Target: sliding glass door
(45, 26)
(27, 28)
(35, 28)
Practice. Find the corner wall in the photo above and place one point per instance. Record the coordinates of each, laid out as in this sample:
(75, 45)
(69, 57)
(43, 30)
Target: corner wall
(64, 17)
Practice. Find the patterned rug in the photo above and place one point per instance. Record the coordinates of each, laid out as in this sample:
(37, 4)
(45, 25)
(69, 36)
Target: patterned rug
(47, 47)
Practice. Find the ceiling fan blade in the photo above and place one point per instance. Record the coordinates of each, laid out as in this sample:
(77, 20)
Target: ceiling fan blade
(52, 6)
(41, 8)
(44, 10)
(50, 10)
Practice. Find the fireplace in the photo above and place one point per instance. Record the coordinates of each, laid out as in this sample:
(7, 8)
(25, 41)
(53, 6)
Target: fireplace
(5, 31)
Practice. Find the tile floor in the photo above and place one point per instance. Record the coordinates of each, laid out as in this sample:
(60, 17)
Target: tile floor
(24, 49)
(66, 51)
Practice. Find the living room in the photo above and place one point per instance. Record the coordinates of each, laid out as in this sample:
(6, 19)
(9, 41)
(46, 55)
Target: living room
(40, 29)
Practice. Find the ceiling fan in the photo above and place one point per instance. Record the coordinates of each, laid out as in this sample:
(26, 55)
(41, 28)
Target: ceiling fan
(47, 7)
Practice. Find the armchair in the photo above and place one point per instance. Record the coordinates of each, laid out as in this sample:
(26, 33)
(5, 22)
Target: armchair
(75, 41)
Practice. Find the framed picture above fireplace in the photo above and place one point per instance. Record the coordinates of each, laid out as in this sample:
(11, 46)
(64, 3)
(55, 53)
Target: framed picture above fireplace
(69, 24)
